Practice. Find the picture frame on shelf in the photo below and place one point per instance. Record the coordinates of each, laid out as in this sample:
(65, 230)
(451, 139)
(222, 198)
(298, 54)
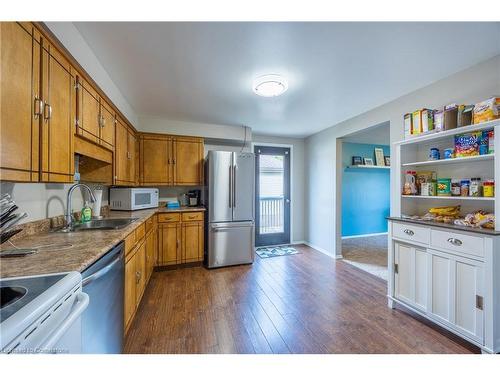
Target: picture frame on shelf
(368, 161)
(387, 161)
(379, 156)
(357, 160)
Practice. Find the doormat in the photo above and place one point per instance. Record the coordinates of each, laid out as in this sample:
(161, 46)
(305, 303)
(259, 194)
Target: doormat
(276, 251)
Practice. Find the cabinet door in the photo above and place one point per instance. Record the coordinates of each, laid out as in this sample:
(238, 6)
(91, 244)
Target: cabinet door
(58, 86)
(468, 297)
(440, 287)
(131, 157)
(155, 160)
(140, 265)
(121, 154)
(88, 111)
(20, 102)
(403, 275)
(150, 251)
(169, 251)
(107, 138)
(410, 280)
(129, 293)
(187, 161)
(192, 241)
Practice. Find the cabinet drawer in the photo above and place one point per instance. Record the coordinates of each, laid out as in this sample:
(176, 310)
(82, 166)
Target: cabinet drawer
(129, 243)
(192, 216)
(169, 218)
(411, 232)
(462, 243)
(139, 233)
(149, 224)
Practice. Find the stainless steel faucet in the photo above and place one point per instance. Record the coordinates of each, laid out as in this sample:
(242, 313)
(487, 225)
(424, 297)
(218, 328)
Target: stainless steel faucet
(69, 216)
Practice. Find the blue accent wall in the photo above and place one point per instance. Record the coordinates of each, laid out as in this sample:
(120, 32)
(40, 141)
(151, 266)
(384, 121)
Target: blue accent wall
(365, 192)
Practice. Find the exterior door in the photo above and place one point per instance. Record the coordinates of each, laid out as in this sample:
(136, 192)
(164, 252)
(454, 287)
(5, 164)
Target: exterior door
(272, 195)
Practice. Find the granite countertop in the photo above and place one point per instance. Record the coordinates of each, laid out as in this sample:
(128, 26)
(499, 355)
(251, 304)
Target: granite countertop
(75, 251)
(490, 232)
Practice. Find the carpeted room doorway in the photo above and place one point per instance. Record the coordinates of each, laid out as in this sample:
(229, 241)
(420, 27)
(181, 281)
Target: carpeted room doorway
(367, 253)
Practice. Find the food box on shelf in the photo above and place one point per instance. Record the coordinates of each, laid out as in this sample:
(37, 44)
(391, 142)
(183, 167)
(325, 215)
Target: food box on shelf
(450, 117)
(408, 125)
(427, 119)
(467, 144)
(417, 122)
(464, 115)
(487, 110)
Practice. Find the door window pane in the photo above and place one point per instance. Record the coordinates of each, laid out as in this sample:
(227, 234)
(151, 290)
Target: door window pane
(271, 193)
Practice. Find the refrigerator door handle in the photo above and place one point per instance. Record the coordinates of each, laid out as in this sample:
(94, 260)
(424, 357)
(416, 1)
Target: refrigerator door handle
(230, 186)
(234, 185)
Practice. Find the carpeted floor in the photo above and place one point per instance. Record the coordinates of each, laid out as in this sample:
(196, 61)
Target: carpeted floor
(367, 253)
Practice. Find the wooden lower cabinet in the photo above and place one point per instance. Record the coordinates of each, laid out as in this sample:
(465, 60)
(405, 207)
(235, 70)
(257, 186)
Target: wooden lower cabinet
(151, 251)
(129, 293)
(180, 238)
(169, 241)
(192, 242)
(158, 242)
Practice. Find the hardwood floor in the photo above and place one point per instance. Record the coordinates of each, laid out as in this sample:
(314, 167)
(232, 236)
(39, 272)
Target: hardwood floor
(304, 303)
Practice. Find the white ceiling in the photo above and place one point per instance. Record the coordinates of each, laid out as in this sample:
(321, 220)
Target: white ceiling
(203, 72)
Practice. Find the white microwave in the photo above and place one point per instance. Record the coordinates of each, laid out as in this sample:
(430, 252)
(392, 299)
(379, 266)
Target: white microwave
(130, 199)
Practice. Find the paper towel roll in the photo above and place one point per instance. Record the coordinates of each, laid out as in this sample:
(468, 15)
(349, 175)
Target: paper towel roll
(96, 210)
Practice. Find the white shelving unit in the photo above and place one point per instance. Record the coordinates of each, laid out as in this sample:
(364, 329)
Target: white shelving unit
(362, 166)
(438, 197)
(443, 272)
(412, 155)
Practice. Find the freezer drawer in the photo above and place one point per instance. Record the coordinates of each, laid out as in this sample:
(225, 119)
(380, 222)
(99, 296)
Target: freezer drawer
(230, 244)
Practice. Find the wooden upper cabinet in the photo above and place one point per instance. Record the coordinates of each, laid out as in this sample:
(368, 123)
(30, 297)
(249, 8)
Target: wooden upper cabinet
(155, 159)
(20, 102)
(59, 113)
(107, 124)
(88, 122)
(131, 157)
(125, 154)
(170, 160)
(121, 153)
(187, 160)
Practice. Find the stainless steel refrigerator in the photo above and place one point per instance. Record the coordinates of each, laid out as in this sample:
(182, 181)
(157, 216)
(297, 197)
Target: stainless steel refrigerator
(230, 204)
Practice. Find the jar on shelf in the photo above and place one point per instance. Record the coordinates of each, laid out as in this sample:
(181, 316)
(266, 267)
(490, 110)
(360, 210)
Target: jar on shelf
(489, 188)
(464, 187)
(455, 187)
(475, 187)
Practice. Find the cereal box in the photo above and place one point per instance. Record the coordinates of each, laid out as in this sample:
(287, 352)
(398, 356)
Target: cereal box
(487, 110)
(467, 144)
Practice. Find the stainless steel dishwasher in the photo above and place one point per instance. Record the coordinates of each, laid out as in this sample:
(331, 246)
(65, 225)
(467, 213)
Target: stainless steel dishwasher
(102, 322)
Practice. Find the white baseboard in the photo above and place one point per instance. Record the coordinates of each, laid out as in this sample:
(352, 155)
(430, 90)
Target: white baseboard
(365, 235)
(317, 248)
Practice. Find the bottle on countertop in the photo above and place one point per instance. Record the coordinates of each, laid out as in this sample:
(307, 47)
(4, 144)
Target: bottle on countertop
(86, 212)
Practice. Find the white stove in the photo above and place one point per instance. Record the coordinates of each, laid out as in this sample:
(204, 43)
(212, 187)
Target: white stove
(42, 314)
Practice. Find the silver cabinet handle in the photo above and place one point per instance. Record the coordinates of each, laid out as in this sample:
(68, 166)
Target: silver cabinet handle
(409, 232)
(455, 241)
(38, 110)
(47, 111)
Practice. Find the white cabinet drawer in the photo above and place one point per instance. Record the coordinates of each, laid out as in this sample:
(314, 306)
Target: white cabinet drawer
(411, 232)
(457, 242)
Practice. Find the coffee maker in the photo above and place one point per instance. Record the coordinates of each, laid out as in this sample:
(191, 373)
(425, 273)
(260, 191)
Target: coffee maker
(194, 197)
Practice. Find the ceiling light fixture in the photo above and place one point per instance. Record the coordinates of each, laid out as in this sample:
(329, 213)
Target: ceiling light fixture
(270, 85)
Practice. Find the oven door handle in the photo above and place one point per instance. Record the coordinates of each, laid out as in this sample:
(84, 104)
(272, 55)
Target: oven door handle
(82, 301)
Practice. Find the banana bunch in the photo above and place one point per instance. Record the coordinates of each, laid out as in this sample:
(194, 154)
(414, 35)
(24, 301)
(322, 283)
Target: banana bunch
(446, 211)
